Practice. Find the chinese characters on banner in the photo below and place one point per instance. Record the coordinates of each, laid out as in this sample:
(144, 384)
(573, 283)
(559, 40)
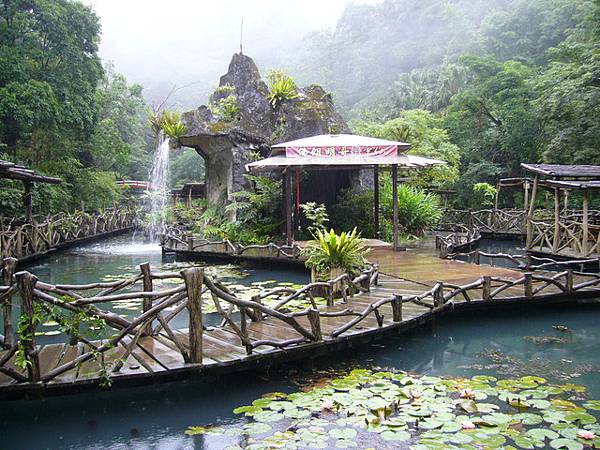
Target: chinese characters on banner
(341, 151)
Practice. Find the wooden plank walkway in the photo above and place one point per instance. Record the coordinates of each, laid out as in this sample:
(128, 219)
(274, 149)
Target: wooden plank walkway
(158, 357)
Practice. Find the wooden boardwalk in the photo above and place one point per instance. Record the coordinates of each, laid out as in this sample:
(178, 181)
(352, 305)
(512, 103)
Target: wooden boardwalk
(427, 286)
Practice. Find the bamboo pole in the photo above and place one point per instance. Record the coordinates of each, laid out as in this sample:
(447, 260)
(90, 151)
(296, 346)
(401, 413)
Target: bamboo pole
(8, 270)
(194, 277)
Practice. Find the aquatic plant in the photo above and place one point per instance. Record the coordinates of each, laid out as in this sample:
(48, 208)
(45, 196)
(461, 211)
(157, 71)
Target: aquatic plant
(281, 87)
(383, 409)
(330, 250)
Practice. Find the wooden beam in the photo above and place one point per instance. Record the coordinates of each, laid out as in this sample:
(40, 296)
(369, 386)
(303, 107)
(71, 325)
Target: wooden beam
(289, 229)
(531, 211)
(194, 278)
(27, 201)
(376, 201)
(526, 196)
(395, 203)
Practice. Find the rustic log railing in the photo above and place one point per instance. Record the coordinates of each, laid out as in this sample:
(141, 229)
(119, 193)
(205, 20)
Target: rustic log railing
(525, 262)
(566, 236)
(159, 308)
(495, 221)
(180, 240)
(24, 240)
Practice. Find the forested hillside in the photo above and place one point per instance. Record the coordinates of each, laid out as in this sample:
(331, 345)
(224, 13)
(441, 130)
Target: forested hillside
(500, 81)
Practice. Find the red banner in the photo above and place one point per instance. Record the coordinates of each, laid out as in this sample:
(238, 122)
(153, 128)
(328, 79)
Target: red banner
(341, 151)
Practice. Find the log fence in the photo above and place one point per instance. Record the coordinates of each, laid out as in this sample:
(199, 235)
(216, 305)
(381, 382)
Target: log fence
(23, 240)
(196, 289)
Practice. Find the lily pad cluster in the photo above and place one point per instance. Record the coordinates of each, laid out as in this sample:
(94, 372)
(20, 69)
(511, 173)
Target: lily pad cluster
(392, 409)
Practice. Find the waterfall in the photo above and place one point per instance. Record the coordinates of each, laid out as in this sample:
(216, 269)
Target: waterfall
(159, 190)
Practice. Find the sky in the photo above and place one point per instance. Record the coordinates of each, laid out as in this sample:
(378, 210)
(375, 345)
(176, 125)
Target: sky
(187, 44)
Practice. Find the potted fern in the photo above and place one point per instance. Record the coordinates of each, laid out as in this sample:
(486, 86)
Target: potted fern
(330, 255)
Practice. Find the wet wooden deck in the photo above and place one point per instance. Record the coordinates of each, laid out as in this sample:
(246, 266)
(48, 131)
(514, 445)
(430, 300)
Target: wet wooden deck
(156, 358)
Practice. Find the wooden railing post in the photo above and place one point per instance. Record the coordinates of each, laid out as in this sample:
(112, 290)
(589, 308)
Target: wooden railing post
(477, 257)
(397, 308)
(487, 288)
(438, 295)
(569, 281)
(194, 277)
(9, 266)
(314, 317)
(26, 282)
(244, 329)
(148, 287)
(330, 294)
(528, 285)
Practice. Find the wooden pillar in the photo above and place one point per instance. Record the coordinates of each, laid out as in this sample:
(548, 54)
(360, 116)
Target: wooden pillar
(496, 197)
(526, 195)
(314, 318)
(9, 266)
(27, 201)
(395, 203)
(26, 282)
(287, 199)
(376, 201)
(585, 222)
(566, 201)
(194, 277)
(397, 308)
(148, 287)
(531, 211)
(556, 237)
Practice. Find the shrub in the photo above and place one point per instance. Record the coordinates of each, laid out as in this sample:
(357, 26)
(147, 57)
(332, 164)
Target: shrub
(169, 122)
(316, 215)
(417, 209)
(330, 250)
(281, 87)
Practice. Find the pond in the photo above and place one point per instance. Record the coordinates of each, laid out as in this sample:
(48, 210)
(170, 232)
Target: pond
(502, 344)
(120, 257)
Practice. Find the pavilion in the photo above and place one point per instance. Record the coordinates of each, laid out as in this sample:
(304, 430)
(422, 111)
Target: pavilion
(340, 151)
(568, 233)
(12, 171)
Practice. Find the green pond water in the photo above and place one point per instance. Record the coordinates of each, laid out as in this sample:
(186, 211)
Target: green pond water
(505, 344)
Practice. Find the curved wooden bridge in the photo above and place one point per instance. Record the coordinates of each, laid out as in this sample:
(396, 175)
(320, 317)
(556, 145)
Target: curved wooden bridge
(399, 291)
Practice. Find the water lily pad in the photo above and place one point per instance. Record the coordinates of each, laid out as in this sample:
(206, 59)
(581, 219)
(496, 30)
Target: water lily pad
(567, 444)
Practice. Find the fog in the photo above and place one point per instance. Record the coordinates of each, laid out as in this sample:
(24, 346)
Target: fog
(186, 45)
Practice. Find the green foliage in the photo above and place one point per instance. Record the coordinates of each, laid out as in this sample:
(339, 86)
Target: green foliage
(330, 250)
(485, 192)
(425, 133)
(224, 103)
(417, 210)
(316, 215)
(282, 87)
(354, 208)
(186, 166)
(168, 122)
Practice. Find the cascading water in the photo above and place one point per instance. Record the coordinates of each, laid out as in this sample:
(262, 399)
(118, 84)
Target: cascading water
(159, 187)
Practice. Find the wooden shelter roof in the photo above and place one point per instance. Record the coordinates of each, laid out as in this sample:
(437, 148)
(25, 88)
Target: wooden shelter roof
(12, 171)
(564, 171)
(572, 184)
(338, 140)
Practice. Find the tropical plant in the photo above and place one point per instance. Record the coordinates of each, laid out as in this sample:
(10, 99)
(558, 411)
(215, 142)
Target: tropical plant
(224, 103)
(169, 122)
(330, 250)
(316, 214)
(281, 87)
(418, 210)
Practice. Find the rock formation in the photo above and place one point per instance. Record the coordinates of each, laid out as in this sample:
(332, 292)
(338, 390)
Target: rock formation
(239, 125)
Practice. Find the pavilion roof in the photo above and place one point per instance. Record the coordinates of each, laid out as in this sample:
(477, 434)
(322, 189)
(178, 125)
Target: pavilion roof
(12, 171)
(347, 162)
(572, 184)
(338, 140)
(563, 170)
